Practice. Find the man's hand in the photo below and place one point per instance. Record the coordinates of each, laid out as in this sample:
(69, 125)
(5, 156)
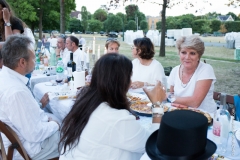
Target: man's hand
(44, 100)
(158, 93)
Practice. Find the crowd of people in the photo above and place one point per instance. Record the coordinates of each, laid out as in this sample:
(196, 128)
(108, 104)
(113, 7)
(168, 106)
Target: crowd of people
(100, 124)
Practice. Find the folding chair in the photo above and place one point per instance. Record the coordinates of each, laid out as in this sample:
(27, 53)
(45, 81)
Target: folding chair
(230, 101)
(15, 143)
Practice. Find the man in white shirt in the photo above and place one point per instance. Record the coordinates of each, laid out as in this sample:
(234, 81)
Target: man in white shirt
(62, 51)
(78, 55)
(37, 131)
(82, 42)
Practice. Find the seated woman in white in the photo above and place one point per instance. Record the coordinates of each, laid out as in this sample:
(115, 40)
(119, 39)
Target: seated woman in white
(193, 81)
(145, 68)
(100, 125)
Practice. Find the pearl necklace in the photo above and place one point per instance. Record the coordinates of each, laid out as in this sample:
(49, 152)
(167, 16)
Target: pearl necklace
(185, 85)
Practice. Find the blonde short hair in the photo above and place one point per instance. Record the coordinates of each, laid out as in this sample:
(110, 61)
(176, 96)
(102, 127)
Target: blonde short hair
(110, 42)
(191, 42)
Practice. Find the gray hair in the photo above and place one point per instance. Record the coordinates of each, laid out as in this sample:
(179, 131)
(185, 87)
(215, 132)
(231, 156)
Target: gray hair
(15, 48)
(191, 42)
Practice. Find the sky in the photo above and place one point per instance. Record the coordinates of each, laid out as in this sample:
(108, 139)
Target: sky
(153, 9)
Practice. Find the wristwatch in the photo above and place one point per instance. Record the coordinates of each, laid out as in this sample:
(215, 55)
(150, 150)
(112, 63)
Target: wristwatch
(8, 24)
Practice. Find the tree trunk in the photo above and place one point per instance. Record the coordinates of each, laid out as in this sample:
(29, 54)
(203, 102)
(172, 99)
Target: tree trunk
(163, 29)
(40, 19)
(62, 17)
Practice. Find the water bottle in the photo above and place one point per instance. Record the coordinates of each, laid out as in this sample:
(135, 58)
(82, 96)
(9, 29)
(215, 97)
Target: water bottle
(60, 71)
(221, 123)
(52, 57)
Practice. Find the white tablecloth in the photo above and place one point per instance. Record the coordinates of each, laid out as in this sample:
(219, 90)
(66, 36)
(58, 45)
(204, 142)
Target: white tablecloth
(38, 78)
(60, 108)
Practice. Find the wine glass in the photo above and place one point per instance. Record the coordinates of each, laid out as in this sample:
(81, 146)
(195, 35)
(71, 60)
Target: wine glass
(59, 80)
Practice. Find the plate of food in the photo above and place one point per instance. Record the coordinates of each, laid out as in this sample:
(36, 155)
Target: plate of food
(136, 96)
(144, 108)
(207, 115)
(62, 95)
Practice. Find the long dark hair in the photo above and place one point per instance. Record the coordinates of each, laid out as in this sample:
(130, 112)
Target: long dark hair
(111, 78)
(146, 46)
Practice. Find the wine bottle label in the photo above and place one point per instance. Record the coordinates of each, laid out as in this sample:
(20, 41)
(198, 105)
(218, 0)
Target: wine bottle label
(69, 69)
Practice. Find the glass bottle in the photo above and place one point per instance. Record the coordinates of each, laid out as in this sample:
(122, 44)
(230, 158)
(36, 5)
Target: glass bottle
(221, 123)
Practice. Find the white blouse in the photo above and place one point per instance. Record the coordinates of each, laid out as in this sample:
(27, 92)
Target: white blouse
(111, 134)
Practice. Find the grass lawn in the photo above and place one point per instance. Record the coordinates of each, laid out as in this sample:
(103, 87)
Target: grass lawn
(227, 70)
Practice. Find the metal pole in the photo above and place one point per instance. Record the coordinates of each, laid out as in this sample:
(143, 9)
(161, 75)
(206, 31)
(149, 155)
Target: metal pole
(123, 28)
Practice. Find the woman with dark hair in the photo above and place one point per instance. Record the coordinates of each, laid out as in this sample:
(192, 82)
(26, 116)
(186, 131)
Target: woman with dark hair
(145, 69)
(99, 125)
(9, 24)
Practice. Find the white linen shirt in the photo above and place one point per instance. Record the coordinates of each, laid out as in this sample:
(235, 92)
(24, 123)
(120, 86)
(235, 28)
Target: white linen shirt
(79, 56)
(20, 111)
(110, 134)
(150, 73)
(204, 71)
(65, 55)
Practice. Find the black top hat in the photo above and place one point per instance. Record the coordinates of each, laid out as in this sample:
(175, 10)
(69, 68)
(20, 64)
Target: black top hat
(182, 136)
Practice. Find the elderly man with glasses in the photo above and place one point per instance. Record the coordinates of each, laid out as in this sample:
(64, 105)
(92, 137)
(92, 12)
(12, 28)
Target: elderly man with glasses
(62, 51)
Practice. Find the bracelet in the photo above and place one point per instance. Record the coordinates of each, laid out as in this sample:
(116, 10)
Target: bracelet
(156, 104)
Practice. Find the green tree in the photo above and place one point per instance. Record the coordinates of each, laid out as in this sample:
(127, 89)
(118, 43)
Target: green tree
(165, 4)
(141, 16)
(95, 25)
(131, 25)
(215, 25)
(234, 16)
(100, 15)
(74, 25)
(36, 14)
(131, 11)
(206, 27)
(89, 15)
(159, 25)
(144, 25)
(84, 14)
(113, 23)
(122, 16)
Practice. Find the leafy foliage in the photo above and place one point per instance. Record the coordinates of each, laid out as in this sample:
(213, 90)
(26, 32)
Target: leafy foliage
(232, 26)
(100, 15)
(113, 23)
(144, 25)
(84, 14)
(215, 25)
(131, 25)
(75, 25)
(95, 25)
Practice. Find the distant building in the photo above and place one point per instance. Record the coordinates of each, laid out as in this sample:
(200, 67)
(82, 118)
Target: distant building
(225, 18)
(76, 14)
(152, 21)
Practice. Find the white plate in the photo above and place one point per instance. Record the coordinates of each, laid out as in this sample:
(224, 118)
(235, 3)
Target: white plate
(142, 96)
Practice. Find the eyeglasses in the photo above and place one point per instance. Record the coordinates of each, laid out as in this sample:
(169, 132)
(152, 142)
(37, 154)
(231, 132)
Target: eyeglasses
(132, 47)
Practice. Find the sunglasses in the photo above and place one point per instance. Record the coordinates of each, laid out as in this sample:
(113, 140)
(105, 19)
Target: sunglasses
(132, 47)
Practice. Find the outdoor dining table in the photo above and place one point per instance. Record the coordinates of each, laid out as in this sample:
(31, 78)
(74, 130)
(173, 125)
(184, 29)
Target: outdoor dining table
(38, 78)
(60, 108)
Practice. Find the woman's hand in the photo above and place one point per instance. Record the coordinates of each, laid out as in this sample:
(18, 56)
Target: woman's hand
(137, 84)
(6, 15)
(158, 93)
(179, 105)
